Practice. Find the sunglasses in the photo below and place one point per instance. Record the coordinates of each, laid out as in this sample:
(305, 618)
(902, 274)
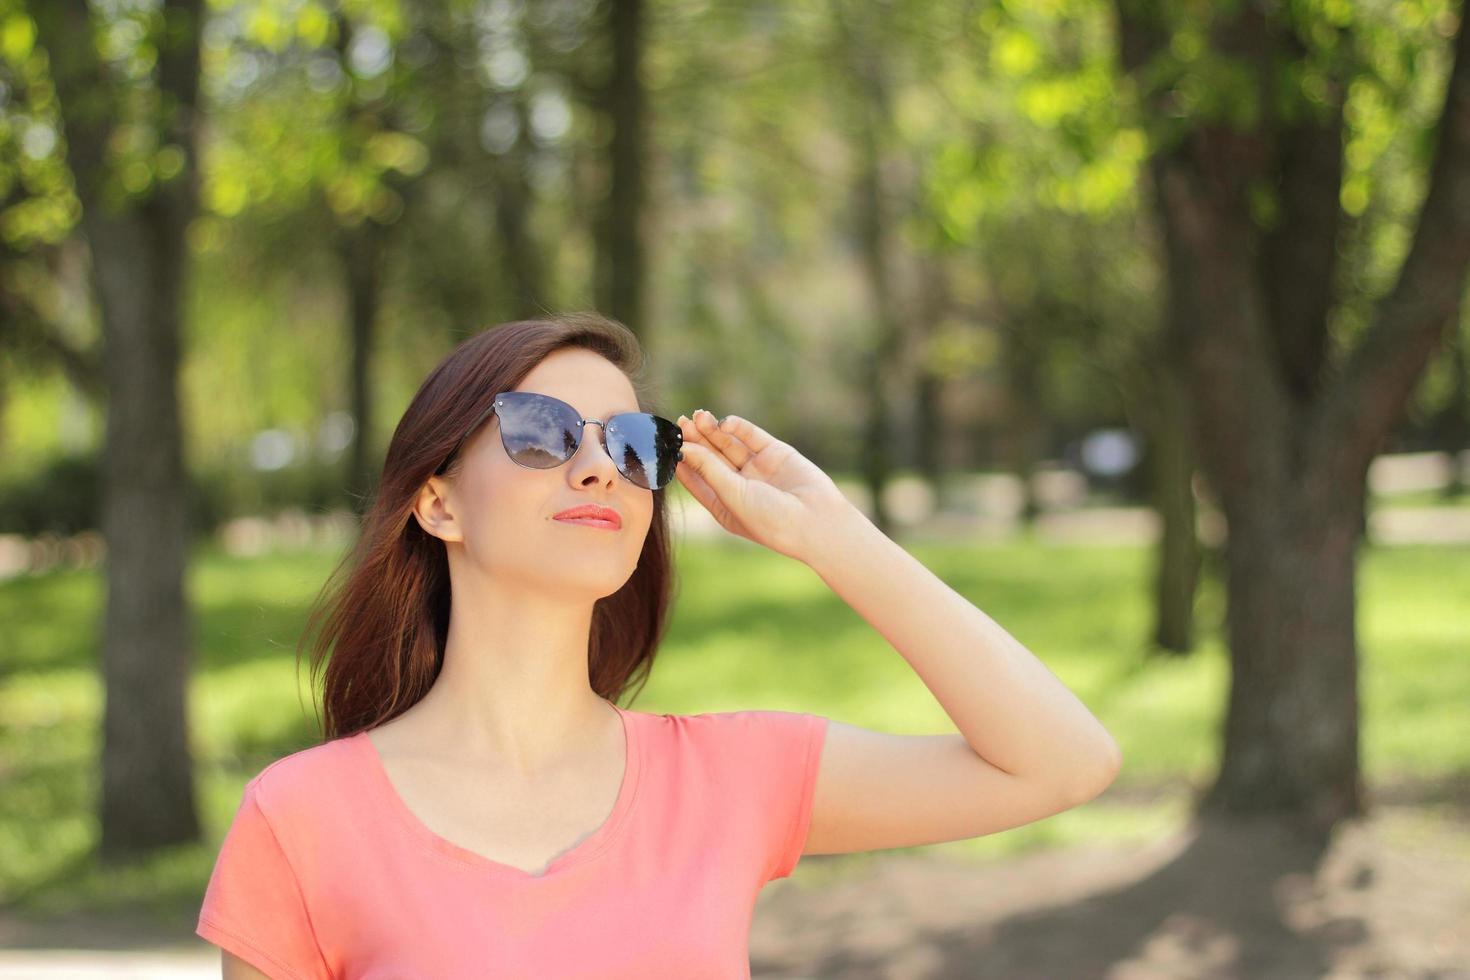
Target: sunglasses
(540, 433)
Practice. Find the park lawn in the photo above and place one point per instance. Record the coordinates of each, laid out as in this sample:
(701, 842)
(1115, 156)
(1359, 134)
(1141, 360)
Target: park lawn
(750, 629)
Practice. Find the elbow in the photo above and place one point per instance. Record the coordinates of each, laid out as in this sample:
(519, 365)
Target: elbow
(1092, 779)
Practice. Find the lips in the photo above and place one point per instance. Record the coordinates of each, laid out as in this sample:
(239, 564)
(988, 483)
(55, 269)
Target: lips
(591, 512)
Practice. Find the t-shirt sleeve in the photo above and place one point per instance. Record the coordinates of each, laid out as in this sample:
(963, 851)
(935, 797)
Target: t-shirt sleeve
(254, 906)
(786, 750)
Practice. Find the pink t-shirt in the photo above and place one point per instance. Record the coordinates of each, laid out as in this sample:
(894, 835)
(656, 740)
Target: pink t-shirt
(326, 873)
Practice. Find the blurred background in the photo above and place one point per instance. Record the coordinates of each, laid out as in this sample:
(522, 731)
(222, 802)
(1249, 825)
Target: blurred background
(1139, 323)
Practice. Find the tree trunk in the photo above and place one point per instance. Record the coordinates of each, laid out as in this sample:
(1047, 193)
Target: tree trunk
(1284, 439)
(1291, 732)
(930, 430)
(1452, 427)
(869, 114)
(147, 784)
(138, 267)
(361, 247)
(1291, 726)
(620, 252)
(361, 251)
(1025, 422)
(1177, 560)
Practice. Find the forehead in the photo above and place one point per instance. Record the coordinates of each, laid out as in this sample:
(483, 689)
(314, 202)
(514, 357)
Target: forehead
(584, 379)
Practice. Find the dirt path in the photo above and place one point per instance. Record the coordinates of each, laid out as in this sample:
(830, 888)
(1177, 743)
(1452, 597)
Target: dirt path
(1389, 898)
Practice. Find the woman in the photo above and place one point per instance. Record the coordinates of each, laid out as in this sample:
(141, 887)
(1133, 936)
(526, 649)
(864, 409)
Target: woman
(482, 807)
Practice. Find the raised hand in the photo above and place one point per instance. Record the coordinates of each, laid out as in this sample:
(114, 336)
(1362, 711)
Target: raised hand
(755, 485)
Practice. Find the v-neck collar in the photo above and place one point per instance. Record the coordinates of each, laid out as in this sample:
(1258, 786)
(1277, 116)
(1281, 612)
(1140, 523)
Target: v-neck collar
(584, 850)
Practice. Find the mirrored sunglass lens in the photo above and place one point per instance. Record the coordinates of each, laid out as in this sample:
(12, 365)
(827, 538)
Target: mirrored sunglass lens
(644, 448)
(537, 431)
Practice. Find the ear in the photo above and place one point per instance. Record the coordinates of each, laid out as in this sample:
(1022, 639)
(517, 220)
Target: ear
(431, 510)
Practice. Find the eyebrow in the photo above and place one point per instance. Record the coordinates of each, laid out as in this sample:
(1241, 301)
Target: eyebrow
(615, 411)
(603, 416)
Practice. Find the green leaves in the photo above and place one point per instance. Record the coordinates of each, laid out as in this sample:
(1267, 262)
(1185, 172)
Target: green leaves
(17, 37)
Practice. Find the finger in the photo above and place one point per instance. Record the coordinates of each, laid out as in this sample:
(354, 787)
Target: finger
(715, 470)
(700, 491)
(690, 430)
(696, 485)
(749, 434)
(734, 450)
(703, 432)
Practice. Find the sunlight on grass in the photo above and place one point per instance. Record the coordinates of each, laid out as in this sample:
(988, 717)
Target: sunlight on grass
(749, 629)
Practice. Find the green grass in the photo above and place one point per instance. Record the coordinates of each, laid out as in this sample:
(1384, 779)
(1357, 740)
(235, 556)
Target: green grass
(750, 630)
(1433, 497)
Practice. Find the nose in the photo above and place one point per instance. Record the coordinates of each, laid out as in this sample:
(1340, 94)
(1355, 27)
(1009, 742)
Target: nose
(601, 425)
(602, 440)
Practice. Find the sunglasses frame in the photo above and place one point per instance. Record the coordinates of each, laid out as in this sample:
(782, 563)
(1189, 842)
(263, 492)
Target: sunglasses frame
(581, 432)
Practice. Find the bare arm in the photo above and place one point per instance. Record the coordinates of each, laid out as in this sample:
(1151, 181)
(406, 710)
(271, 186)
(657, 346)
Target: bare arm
(1027, 747)
(1012, 711)
(234, 968)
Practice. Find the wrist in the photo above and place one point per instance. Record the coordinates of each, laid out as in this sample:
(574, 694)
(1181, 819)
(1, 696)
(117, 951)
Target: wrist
(834, 529)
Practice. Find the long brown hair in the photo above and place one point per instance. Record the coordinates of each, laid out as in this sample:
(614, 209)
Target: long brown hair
(384, 610)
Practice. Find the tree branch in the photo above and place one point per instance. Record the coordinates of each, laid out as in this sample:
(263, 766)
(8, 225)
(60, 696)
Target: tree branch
(1356, 413)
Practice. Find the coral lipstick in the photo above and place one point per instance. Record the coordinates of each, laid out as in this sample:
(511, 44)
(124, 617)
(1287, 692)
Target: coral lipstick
(591, 515)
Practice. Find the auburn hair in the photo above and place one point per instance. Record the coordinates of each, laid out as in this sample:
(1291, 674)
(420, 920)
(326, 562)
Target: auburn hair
(378, 626)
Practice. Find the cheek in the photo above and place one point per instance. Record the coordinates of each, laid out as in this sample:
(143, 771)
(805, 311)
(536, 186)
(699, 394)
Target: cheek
(507, 523)
(499, 511)
(643, 520)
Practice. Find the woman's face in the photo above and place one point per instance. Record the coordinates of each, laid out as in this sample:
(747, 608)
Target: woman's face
(502, 512)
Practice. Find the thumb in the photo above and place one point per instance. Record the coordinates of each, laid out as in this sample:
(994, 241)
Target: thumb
(715, 470)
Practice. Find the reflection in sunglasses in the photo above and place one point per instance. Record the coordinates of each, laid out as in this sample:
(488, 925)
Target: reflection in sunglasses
(541, 431)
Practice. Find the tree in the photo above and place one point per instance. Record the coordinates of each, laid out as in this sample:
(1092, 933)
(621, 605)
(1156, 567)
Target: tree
(621, 265)
(1253, 191)
(131, 127)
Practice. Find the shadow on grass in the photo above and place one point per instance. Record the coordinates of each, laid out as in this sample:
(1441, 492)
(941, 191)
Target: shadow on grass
(1217, 901)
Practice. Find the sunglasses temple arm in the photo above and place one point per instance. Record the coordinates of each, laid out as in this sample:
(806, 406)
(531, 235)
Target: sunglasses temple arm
(460, 444)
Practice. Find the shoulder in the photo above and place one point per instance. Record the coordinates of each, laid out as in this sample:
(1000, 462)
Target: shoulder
(754, 770)
(744, 733)
(710, 723)
(305, 777)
